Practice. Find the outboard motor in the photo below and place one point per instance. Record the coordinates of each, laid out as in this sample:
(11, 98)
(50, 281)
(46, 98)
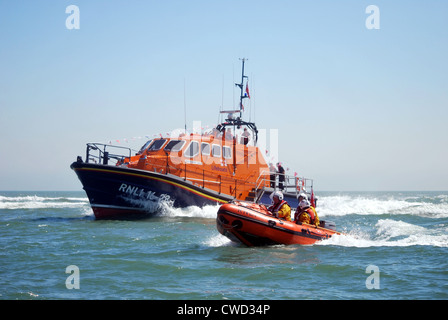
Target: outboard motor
(328, 225)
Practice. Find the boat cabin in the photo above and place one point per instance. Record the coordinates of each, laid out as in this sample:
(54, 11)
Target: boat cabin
(214, 160)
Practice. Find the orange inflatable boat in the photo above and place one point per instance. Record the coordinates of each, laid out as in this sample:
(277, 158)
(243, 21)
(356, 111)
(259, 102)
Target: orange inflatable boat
(253, 225)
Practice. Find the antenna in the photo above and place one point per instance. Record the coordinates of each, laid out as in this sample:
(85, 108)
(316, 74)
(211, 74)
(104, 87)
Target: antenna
(222, 93)
(250, 105)
(185, 109)
(222, 99)
(241, 85)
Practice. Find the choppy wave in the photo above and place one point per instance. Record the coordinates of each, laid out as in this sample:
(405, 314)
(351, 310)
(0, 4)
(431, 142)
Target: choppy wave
(429, 207)
(338, 206)
(397, 229)
(334, 205)
(41, 202)
(218, 241)
(392, 233)
(382, 220)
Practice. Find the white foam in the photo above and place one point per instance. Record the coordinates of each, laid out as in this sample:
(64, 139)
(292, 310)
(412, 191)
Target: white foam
(346, 205)
(392, 233)
(388, 229)
(218, 241)
(37, 198)
(37, 202)
(209, 211)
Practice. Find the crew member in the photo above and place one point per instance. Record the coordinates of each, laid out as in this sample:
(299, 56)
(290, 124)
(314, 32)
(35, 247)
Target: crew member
(300, 197)
(280, 208)
(228, 135)
(273, 173)
(245, 137)
(281, 176)
(305, 213)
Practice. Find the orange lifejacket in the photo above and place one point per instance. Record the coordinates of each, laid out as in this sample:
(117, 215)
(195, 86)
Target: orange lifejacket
(276, 208)
(310, 212)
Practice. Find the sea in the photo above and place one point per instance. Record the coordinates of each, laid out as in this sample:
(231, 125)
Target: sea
(393, 246)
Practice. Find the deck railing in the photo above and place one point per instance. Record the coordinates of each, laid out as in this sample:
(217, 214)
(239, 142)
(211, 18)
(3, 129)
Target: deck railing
(103, 153)
(112, 155)
(282, 182)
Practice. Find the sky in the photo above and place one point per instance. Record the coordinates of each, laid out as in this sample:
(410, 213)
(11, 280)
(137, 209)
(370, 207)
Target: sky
(359, 97)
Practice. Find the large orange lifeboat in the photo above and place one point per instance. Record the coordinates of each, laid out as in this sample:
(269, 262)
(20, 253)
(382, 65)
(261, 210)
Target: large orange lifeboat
(184, 169)
(253, 225)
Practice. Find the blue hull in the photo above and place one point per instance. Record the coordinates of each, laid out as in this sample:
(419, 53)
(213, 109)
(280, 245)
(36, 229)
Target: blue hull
(123, 192)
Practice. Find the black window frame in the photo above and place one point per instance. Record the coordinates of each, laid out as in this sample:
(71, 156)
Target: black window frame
(156, 142)
(174, 148)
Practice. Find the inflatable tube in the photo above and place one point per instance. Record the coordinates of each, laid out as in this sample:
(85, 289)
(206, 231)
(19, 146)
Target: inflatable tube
(253, 225)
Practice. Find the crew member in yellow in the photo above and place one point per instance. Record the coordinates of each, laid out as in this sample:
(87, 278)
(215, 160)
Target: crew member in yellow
(300, 197)
(280, 208)
(305, 213)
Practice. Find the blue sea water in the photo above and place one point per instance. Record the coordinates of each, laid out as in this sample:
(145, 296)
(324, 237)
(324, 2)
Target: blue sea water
(394, 246)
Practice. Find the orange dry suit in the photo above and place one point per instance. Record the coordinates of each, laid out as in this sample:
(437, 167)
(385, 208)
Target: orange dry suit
(308, 215)
(281, 210)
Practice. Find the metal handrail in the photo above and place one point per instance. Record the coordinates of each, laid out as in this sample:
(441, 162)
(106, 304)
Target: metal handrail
(104, 154)
(300, 183)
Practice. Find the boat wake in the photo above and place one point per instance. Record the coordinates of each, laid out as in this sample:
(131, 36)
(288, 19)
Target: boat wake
(423, 206)
(382, 232)
(207, 212)
(392, 233)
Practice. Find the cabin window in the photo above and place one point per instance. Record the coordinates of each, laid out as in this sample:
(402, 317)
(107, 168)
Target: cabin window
(216, 151)
(157, 145)
(205, 149)
(192, 150)
(145, 146)
(174, 145)
(227, 152)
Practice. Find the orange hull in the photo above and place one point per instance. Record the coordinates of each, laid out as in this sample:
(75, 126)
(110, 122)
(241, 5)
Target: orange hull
(253, 225)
